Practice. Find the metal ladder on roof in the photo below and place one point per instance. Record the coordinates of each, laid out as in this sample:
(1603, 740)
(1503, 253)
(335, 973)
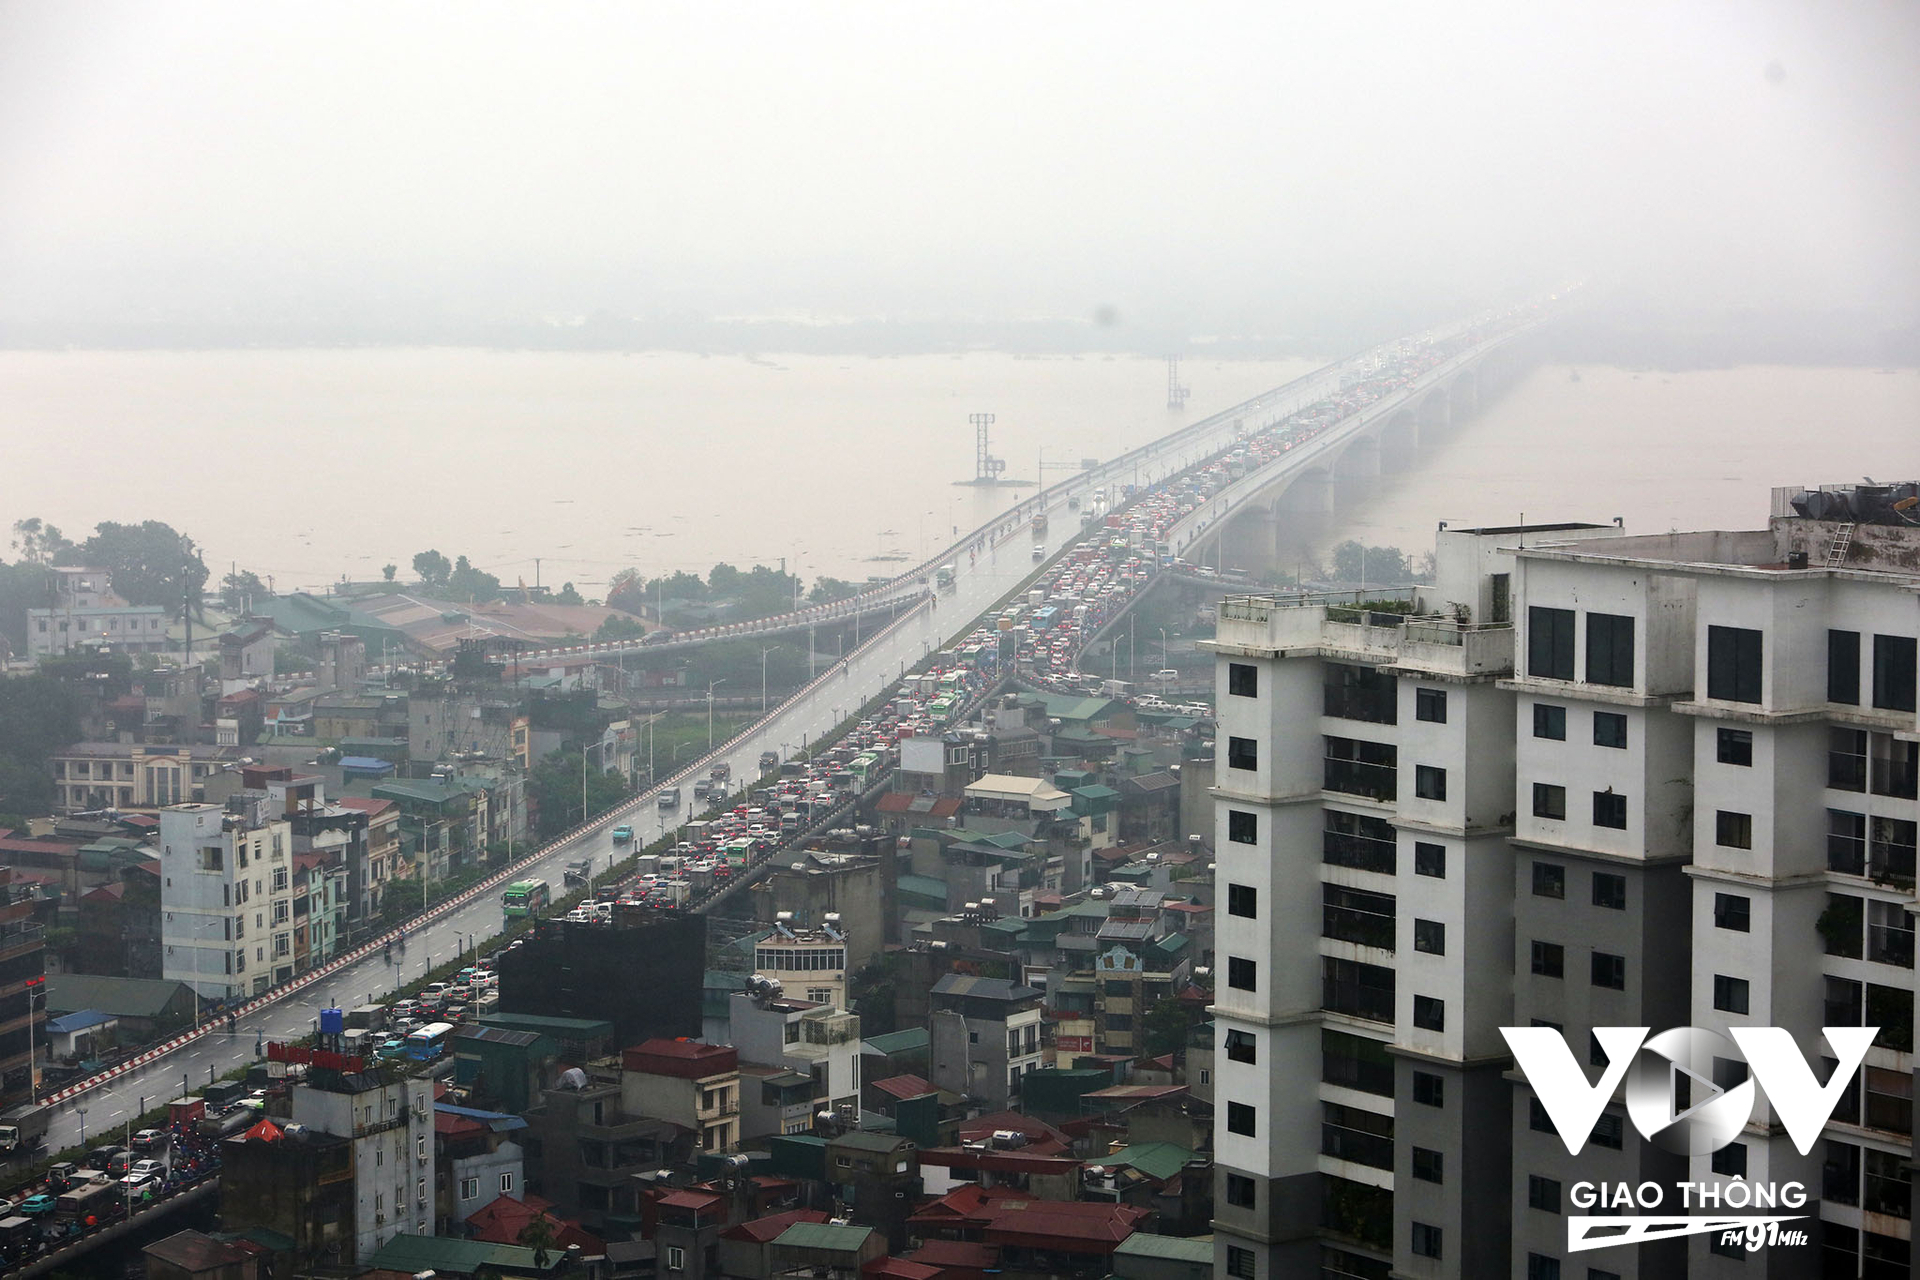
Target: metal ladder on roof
(1837, 553)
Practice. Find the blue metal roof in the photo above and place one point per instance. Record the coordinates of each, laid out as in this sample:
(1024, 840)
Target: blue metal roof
(78, 1021)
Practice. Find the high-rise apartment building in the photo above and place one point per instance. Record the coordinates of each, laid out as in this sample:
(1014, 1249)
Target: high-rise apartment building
(1585, 780)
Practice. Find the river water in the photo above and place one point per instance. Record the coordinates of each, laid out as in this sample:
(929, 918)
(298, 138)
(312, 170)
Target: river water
(307, 465)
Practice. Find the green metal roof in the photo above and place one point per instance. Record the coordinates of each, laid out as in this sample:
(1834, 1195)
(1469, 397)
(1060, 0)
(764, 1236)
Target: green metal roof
(1158, 1160)
(893, 1042)
(823, 1235)
(1173, 1248)
(931, 888)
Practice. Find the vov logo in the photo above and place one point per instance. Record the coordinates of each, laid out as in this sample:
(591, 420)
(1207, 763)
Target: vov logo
(1675, 1101)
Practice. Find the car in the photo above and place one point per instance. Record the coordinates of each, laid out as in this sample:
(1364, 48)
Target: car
(140, 1181)
(1167, 675)
(622, 834)
(36, 1205)
(101, 1157)
(150, 1140)
(148, 1168)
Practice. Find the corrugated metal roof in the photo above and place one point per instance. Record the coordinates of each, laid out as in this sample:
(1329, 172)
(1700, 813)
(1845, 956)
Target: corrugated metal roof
(837, 1237)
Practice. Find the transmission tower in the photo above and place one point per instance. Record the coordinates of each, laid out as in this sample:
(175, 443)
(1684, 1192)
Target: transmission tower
(986, 467)
(1176, 393)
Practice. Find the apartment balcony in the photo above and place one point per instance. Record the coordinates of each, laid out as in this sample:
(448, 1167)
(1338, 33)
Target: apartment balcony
(1334, 623)
(20, 937)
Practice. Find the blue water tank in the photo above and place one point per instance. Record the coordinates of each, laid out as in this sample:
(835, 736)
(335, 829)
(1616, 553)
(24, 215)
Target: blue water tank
(332, 1022)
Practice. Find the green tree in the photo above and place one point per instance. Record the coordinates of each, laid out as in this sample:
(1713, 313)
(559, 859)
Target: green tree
(39, 542)
(389, 572)
(619, 626)
(38, 715)
(567, 595)
(627, 591)
(1353, 562)
(237, 587)
(827, 590)
(555, 788)
(871, 991)
(682, 586)
(538, 1236)
(23, 586)
(432, 568)
(469, 583)
(149, 563)
(1166, 1026)
(400, 900)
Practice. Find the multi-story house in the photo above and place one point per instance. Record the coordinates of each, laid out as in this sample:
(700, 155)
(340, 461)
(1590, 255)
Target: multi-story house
(86, 614)
(23, 1012)
(815, 1040)
(985, 1035)
(132, 777)
(226, 897)
(694, 1085)
(811, 963)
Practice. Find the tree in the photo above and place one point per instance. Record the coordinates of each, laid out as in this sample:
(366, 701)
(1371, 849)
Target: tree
(538, 1236)
(871, 992)
(149, 563)
(567, 595)
(827, 590)
(389, 572)
(1167, 1024)
(40, 543)
(399, 900)
(619, 626)
(433, 568)
(682, 586)
(23, 586)
(627, 591)
(1354, 562)
(555, 788)
(38, 716)
(237, 587)
(469, 583)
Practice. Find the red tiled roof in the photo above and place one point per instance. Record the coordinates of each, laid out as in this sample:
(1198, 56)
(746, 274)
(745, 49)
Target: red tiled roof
(366, 805)
(17, 844)
(139, 820)
(503, 1221)
(1013, 1217)
(763, 1230)
(905, 1086)
(1042, 1138)
(698, 1201)
(681, 1059)
(891, 1268)
(970, 1254)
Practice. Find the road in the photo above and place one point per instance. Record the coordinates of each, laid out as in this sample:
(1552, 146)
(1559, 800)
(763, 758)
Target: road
(812, 712)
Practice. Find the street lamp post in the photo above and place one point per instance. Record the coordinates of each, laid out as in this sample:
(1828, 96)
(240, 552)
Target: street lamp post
(763, 679)
(710, 688)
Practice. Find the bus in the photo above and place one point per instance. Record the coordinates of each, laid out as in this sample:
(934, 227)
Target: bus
(866, 769)
(525, 898)
(428, 1042)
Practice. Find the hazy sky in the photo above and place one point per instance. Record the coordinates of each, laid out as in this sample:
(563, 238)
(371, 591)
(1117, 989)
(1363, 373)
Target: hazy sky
(1224, 167)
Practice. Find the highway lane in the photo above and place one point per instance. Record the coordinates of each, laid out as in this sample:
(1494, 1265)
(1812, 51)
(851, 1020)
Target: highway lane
(841, 689)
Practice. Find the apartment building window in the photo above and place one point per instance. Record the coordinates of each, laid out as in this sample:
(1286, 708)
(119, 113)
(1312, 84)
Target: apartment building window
(1884, 1189)
(1358, 840)
(1730, 1161)
(1889, 934)
(1429, 783)
(1543, 1194)
(1240, 1119)
(1429, 1014)
(1609, 891)
(1610, 650)
(1549, 880)
(1240, 1047)
(1239, 1262)
(1430, 705)
(1359, 990)
(1429, 1090)
(1359, 693)
(1610, 810)
(1843, 667)
(1734, 746)
(1891, 1010)
(1841, 925)
(1840, 1173)
(1362, 768)
(1893, 673)
(1729, 994)
(676, 1258)
(469, 1188)
(1549, 721)
(1357, 916)
(1549, 801)
(1609, 971)
(1541, 1267)
(1428, 1165)
(1733, 664)
(1352, 1133)
(1430, 936)
(1243, 753)
(1355, 1062)
(1847, 842)
(1243, 680)
(1608, 1131)
(1430, 860)
(1243, 827)
(1550, 643)
(1847, 759)
(1240, 973)
(1425, 1241)
(1549, 959)
(1609, 729)
(1240, 1191)
(1243, 900)
(1733, 830)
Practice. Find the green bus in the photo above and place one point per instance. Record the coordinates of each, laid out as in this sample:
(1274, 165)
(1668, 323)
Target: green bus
(525, 898)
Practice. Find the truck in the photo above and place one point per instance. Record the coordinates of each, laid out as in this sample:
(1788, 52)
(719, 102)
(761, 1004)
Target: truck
(1040, 525)
(943, 576)
(23, 1129)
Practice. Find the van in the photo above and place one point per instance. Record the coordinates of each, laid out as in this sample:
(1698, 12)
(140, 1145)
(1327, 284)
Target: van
(669, 799)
